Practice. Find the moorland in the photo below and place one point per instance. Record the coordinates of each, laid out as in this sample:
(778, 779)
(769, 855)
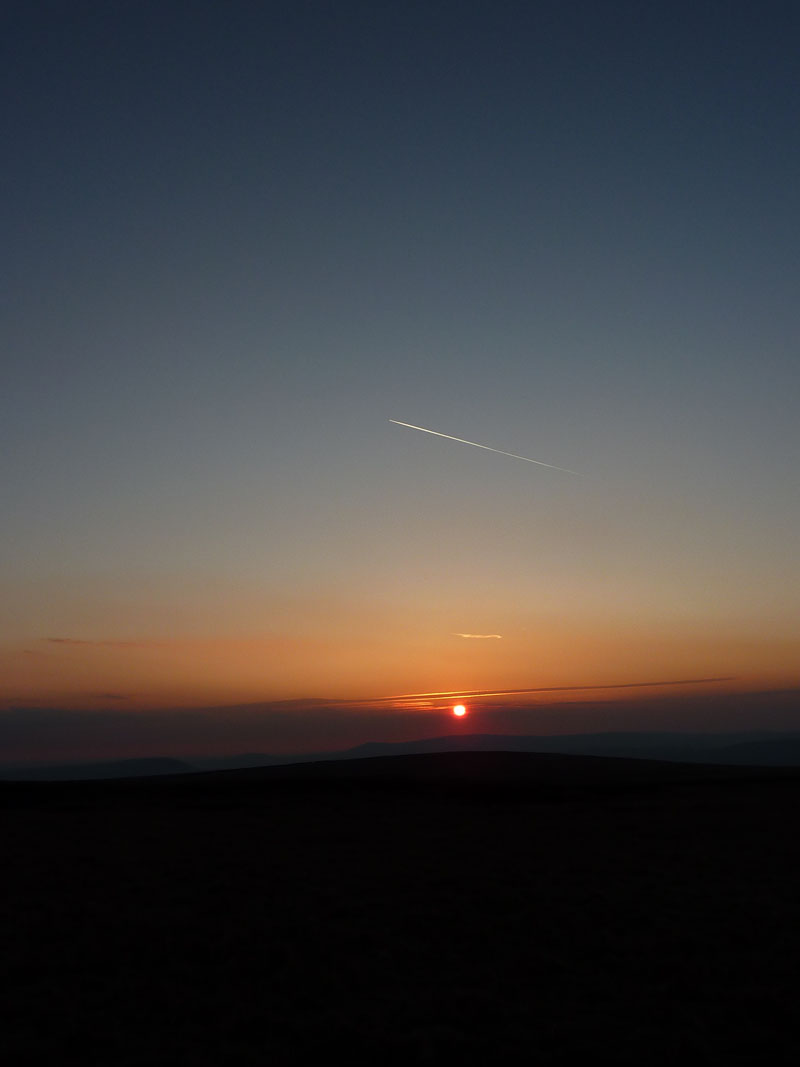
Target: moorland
(467, 907)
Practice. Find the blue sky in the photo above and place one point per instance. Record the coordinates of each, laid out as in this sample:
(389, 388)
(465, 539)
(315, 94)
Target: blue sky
(238, 240)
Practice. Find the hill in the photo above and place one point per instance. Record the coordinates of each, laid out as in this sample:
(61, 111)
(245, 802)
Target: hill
(101, 769)
(475, 907)
(527, 776)
(750, 748)
(409, 909)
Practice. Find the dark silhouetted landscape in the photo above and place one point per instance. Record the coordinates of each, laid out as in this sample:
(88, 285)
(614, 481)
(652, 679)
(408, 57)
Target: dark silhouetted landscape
(462, 906)
(757, 748)
(399, 601)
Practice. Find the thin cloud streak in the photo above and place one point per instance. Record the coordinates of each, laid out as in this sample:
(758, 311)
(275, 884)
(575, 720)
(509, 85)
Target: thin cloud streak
(487, 448)
(102, 644)
(427, 701)
(480, 637)
(550, 689)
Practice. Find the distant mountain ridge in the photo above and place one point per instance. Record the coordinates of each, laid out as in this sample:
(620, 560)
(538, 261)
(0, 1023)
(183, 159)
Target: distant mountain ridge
(739, 749)
(751, 748)
(123, 768)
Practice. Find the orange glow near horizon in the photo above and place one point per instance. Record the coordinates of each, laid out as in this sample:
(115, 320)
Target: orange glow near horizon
(379, 658)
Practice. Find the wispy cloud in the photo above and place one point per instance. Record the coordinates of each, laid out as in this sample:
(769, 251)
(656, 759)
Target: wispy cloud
(432, 699)
(449, 693)
(102, 644)
(480, 637)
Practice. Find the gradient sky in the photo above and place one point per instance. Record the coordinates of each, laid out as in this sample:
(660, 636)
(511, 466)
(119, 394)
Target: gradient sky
(239, 238)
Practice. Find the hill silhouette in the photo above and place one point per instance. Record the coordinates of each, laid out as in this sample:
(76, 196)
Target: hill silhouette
(101, 769)
(749, 748)
(490, 770)
(404, 909)
(494, 774)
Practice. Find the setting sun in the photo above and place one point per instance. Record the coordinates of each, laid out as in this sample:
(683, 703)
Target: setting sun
(459, 710)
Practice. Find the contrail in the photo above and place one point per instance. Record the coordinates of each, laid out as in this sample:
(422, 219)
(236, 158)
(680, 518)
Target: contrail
(475, 444)
(553, 689)
(462, 694)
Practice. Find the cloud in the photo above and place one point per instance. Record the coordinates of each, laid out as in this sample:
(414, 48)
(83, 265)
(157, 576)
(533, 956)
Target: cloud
(102, 644)
(480, 637)
(555, 688)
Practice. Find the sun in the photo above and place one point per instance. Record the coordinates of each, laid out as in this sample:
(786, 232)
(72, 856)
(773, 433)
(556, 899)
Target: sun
(459, 710)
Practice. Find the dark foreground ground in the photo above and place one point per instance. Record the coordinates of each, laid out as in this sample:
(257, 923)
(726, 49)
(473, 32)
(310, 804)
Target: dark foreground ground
(480, 907)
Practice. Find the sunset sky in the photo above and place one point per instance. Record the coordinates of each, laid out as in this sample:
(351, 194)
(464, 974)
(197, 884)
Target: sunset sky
(239, 238)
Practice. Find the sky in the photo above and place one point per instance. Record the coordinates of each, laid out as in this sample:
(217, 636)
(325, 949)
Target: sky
(239, 239)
